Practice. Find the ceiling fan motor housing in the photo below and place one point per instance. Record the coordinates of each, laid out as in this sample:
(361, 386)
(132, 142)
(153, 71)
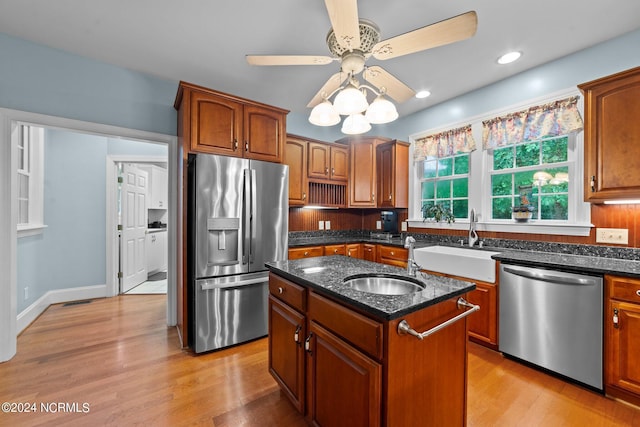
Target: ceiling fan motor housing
(369, 37)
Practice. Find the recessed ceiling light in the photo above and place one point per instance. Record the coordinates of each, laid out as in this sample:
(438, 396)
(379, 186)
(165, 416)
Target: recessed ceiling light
(509, 57)
(423, 94)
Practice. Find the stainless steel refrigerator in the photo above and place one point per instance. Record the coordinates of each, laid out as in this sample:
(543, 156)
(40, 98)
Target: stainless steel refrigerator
(238, 219)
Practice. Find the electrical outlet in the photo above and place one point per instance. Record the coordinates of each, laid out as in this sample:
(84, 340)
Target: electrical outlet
(320, 225)
(403, 226)
(378, 225)
(619, 236)
(26, 292)
(327, 225)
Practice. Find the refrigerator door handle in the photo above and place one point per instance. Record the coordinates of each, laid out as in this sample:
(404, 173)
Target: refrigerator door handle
(246, 229)
(254, 205)
(226, 283)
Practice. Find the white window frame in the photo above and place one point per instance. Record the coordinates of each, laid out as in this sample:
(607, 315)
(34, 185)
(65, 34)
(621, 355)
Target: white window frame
(437, 179)
(35, 153)
(480, 166)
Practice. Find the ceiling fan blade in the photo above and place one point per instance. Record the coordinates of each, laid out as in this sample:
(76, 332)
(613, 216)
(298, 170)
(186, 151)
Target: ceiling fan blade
(441, 33)
(343, 15)
(288, 60)
(393, 87)
(332, 84)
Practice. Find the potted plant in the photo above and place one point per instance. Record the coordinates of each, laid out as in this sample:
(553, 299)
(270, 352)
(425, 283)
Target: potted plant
(437, 212)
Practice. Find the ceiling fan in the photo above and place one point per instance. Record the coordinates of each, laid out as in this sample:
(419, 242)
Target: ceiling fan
(352, 41)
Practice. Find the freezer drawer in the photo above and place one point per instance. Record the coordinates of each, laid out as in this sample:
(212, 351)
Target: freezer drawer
(230, 310)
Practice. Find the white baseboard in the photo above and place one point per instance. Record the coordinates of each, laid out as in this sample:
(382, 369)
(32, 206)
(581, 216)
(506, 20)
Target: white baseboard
(57, 296)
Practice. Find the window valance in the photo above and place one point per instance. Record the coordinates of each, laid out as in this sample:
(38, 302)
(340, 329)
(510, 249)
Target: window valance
(556, 118)
(444, 144)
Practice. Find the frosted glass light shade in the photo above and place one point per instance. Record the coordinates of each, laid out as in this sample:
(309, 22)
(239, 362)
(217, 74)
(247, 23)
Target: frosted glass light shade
(355, 124)
(381, 111)
(324, 114)
(350, 101)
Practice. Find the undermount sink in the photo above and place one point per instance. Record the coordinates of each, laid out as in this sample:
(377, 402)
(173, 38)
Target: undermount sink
(384, 284)
(464, 262)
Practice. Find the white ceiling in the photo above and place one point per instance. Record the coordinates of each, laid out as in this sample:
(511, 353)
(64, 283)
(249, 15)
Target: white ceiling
(205, 42)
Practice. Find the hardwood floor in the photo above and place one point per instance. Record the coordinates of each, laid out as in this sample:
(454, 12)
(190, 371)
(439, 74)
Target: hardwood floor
(117, 356)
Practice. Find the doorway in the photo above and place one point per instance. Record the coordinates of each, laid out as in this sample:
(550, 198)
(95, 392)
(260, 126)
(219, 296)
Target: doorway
(14, 320)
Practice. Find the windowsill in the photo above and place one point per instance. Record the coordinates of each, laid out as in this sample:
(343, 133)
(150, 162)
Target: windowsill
(533, 227)
(30, 230)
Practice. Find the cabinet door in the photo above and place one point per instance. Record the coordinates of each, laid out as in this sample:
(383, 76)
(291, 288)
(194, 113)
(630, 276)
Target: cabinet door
(295, 155)
(344, 384)
(339, 163)
(611, 107)
(483, 325)
(264, 133)
(393, 256)
(286, 354)
(319, 161)
(362, 185)
(369, 252)
(622, 340)
(392, 160)
(354, 250)
(216, 124)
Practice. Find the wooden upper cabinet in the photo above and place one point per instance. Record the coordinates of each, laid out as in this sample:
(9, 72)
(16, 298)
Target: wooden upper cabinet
(295, 156)
(611, 137)
(217, 123)
(362, 173)
(328, 162)
(264, 133)
(392, 159)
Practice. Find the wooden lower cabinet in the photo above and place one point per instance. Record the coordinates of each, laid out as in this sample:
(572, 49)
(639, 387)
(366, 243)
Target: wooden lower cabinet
(369, 252)
(483, 326)
(306, 252)
(354, 250)
(392, 255)
(358, 370)
(622, 338)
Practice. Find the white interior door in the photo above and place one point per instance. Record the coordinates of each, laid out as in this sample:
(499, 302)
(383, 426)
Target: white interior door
(134, 226)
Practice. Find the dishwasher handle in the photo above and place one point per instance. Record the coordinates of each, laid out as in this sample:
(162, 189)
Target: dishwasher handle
(547, 277)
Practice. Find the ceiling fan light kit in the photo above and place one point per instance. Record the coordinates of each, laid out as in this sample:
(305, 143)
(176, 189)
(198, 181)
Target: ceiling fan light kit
(352, 41)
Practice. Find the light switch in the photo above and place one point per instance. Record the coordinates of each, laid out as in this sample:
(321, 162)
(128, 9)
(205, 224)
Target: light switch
(320, 225)
(327, 225)
(378, 225)
(619, 236)
(403, 226)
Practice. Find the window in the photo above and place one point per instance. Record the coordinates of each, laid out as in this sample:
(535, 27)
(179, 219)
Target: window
(532, 177)
(30, 147)
(445, 181)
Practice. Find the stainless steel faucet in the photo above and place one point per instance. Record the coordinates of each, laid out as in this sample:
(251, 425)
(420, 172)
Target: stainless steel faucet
(412, 266)
(473, 235)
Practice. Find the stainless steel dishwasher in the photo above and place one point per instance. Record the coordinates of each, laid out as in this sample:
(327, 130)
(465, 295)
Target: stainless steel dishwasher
(553, 319)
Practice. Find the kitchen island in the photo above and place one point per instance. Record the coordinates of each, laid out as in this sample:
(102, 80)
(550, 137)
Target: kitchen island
(348, 357)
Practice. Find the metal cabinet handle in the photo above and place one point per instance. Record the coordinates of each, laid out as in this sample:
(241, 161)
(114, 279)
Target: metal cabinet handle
(246, 146)
(616, 319)
(326, 171)
(638, 292)
(304, 196)
(404, 328)
(306, 253)
(307, 343)
(280, 290)
(296, 334)
(335, 251)
(235, 144)
(373, 197)
(333, 171)
(593, 183)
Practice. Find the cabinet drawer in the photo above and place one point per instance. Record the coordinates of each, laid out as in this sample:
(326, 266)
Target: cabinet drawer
(335, 250)
(306, 252)
(391, 252)
(288, 292)
(362, 332)
(623, 288)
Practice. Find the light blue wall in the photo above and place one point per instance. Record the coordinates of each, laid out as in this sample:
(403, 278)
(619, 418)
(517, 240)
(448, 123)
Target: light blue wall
(48, 81)
(601, 60)
(71, 250)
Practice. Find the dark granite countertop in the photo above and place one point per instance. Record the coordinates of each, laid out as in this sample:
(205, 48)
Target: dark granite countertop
(326, 275)
(568, 262)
